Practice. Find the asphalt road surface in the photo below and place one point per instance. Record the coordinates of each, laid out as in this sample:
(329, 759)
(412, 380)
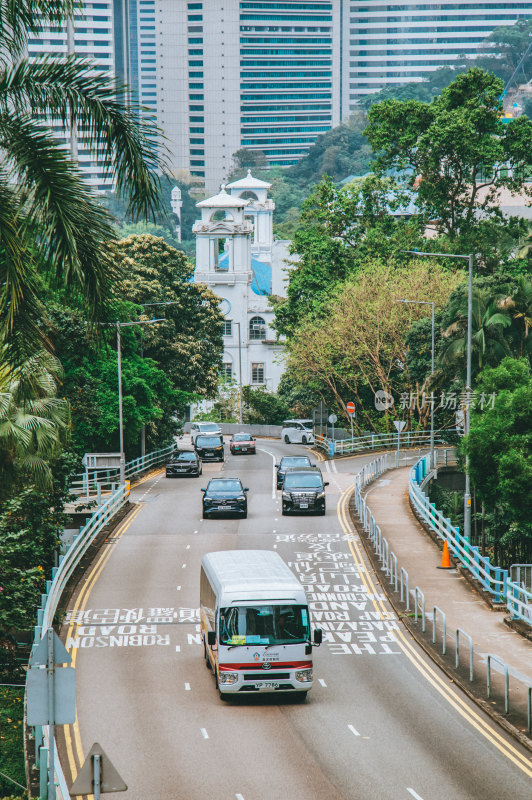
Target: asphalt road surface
(381, 722)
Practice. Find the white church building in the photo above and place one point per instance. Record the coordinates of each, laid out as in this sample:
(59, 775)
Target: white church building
(238, 259)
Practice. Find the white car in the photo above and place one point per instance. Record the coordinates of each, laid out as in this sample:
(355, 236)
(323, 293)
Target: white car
(297, 430)
(204, 429)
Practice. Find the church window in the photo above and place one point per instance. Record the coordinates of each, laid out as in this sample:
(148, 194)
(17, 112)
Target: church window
(257, 329)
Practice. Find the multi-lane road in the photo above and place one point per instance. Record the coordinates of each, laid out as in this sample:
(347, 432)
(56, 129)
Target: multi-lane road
(380, 722)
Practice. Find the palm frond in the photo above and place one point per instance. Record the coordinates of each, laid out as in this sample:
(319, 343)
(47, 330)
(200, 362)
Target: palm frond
(17, 17)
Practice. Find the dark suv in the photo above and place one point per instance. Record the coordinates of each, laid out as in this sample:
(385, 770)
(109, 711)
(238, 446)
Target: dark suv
(225, 496)
(184, 463)
(290, 462)
(209, 448)
(304, 490)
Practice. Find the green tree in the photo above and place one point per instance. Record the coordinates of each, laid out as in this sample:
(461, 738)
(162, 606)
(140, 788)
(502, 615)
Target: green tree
(188, 345)
(456, 151)
(263, 407)
(51, 223)
(505, 54)
(90, 383)
(358, 345)
(500, 460)
(33, 422)
(341, 229)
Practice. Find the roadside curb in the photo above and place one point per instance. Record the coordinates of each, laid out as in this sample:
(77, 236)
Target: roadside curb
(431, 652)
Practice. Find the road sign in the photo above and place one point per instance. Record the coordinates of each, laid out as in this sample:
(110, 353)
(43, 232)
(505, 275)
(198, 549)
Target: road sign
(350, 408)
(39, 711)
(399, 424)
(39, 657)
(333, 418)
(97, 775)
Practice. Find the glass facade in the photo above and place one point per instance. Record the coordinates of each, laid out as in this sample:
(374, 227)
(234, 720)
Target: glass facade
(285, 57)
(396, 43)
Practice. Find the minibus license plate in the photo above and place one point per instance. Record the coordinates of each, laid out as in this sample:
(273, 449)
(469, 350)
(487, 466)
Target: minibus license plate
(267, 685)
(303, 505)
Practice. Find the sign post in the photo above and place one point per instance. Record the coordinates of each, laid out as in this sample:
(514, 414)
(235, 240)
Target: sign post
(351, 410)
(50, 693)
(332, 419)
(399, 424)
(97, 775)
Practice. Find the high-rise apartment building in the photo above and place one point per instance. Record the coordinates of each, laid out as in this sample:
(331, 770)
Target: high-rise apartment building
(394, 43)
(119, 37)
(236, 73)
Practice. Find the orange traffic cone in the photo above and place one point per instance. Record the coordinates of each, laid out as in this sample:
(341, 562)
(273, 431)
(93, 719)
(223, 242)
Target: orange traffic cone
(445, 560)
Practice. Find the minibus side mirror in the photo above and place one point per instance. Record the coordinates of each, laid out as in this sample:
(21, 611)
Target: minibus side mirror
(318, 636)
(277, 466)
(211, 638)
(246, 488)
(204, 489)
(326, 483)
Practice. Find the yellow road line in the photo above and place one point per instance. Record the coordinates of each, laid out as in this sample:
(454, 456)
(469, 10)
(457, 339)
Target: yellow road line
(428, 672)
(73, 742)
(148, 477)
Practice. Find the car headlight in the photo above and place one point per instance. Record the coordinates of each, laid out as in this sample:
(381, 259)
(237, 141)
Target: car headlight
(241, 497)
(286, 496)
(320, 495)
(303, 675)
(230, 677)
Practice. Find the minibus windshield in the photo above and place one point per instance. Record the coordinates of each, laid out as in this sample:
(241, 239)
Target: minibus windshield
(264, 624)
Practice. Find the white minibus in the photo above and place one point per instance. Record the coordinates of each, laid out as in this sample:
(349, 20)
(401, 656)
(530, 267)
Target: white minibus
(255, 624)
(297, 430)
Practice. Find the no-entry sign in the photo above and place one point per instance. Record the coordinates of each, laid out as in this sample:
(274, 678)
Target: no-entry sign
(350, 408)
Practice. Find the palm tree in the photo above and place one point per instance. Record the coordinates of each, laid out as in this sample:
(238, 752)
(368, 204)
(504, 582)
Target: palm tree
(33, 420)
(519, 307)
(488, 320)
(52, 226)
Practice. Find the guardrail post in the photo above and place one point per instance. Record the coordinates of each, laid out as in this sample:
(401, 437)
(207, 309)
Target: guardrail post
(506, 681)
(457, 655)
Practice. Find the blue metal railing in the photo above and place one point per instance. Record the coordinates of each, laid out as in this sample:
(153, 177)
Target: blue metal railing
(493, 580)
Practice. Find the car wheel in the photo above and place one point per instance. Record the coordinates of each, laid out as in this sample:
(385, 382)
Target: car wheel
(285, 511)
(287, 439)
(304, 439)
(322, 512)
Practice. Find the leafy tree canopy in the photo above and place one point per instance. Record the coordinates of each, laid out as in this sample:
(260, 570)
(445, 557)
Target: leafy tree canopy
(446, 145)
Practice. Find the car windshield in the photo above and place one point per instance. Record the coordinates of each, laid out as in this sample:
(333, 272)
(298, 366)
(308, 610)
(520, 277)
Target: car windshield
(208, 441)
(264, 624)
(303, 480)
(186, 456)
(241, 437)
(209, 426)
(295, 461)
(225, 486)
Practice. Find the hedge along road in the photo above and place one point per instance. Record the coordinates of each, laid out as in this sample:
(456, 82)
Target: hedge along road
(380, 721)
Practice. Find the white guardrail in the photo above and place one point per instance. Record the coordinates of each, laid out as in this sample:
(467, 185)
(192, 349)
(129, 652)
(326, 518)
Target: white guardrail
(376, 441)
(110, 497)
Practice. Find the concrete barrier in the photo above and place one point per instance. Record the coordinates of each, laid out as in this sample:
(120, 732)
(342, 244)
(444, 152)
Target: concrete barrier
(273, 431)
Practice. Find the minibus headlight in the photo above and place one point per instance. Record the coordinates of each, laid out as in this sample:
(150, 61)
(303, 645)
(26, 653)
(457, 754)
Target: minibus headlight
(320, 495)
(303, 675)
(286, 495)
(228, 677)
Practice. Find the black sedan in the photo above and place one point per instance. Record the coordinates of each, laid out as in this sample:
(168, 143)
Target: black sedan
(185, 463)
(225, 496)
(290, 462)
(304, 490)
(209, 448)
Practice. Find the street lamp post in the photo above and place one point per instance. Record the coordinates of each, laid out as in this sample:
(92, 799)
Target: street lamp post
(240, 420)
(431, 304)
(119, 360)
(469, 259)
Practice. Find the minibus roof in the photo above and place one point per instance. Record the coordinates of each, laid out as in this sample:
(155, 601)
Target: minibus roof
(241, 576)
